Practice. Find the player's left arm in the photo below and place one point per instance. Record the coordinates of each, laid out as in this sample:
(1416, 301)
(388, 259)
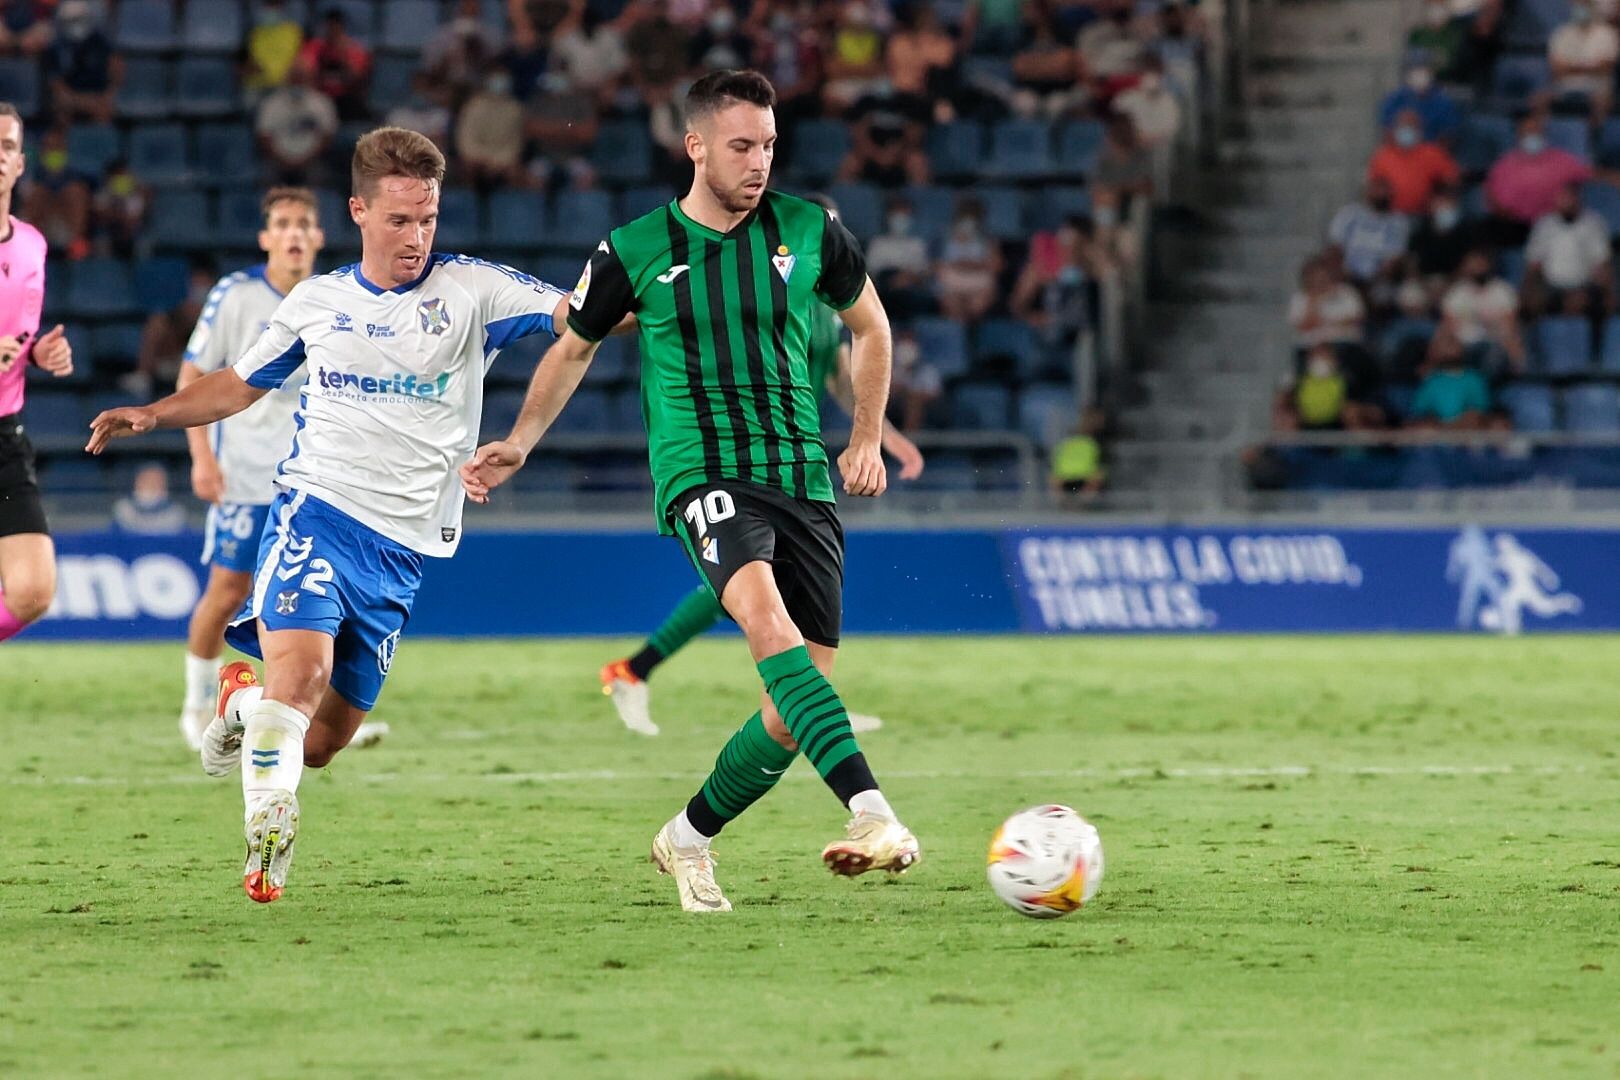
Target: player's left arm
(871, 355)
(895, 443)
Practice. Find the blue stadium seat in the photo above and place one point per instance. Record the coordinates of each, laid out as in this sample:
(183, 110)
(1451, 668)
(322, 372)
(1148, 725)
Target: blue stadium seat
(458, 220)
(955, 150)
(117, 343)
(625, 412)
(997, 470)
(1011, 339)
(1079, 146)
(613, 360)
(76, 474)
(948, 470)
(56, 419)
(1020, 150)
(1571, 134)
(20, 85)
(157, 153)
(1608, 147)
(563, 271)
(408, 24)
(391, 82)
(942, 343)
(1511, 264)
(226, 153)
(145, 26)
(1056, 204)
(931, 208)
(1564, 344)
(1484, 138)
(148, 89)
(1003, 211)
(212, 28)
(1531, 407)
(1518, 76)
(1609, 353)
(361, 16)
(586, 413)
(1046, 412)
(1400, 331)
(240, 217)
(860, 207)
(1531, 22)
(207, 87)
(515, 218)
(92, 147)
(161, 284)
(980, 406)
(580, 219)
(622, 153)
(501, 410)
(637, 201)
(1604, 199)
(1592, 409)
(819, 147)
(180, 219)
(335, 220)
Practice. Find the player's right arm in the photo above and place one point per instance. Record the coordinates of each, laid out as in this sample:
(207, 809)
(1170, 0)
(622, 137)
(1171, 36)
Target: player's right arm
(598, 305)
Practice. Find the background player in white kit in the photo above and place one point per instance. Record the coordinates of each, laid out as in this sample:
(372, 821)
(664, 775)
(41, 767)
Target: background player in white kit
(397, 346)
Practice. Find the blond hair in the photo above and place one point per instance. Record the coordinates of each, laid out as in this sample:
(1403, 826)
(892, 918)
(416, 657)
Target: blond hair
(394, 151)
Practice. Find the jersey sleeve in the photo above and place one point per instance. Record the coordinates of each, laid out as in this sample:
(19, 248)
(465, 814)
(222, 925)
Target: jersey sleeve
(279, 352)
(603, 296)
(514, 304)
(843, 266)
(206, 347)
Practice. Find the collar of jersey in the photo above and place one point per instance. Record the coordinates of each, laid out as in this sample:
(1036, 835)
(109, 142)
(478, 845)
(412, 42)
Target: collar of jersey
(261, 273)
(377, 290)
(736, 230)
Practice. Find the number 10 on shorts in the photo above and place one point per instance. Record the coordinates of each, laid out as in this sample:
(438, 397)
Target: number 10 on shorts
(711, 509)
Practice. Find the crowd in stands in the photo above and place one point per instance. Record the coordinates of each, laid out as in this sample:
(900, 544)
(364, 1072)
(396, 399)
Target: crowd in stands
(986, 151)
(1471, 288)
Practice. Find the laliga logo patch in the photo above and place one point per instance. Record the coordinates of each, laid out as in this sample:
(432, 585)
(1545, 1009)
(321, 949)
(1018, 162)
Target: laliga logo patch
(286, 603)
(385, 652)
(435, 319)
(784, 260)
(577, 301)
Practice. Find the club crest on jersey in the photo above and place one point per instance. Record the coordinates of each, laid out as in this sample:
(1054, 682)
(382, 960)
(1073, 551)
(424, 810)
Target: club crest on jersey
(711, 550)
(435, 319)
(784, 260)
(286, 603)
(577, 301)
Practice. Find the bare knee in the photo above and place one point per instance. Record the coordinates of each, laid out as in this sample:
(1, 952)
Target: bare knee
(297, 682)
(769, 631)
(229, 592)
(318, 749)
(29, 600)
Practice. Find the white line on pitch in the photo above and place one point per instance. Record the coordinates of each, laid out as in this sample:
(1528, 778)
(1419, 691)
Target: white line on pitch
(1204, 772)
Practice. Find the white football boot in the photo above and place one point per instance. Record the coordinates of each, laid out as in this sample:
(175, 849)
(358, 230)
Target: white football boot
(222, 740)
(872, 842)
(629, 696)
(270, 831)
(860, 722)
(693, 871)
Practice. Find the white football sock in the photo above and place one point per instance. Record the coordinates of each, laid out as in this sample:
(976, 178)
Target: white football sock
(202, 681)
(872, 802)
(685, 833)
(272, 751)
(241, 704)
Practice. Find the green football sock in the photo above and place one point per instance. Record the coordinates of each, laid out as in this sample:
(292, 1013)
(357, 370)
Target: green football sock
(749, 765)
(697, 611)
(815, 716)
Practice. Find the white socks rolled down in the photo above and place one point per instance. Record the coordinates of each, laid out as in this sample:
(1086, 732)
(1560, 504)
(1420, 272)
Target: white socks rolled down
(272, 748)
(872, 802)
(202, 682)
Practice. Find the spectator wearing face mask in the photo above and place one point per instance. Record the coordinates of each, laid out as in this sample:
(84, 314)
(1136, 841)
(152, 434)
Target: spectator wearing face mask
(562, 124)
(1452, 395)
(1482, 311)
(25, 27)
(1441, 240)
(489, 134)
(721, 41)
(969, 263)
(1525, 182)
(1412, 168)
(147, 510)
(81, 69)
(591, 50)
(1582, 54)
(457, 56)
(120, 210)
(1053, 292)
(341, 66)
(57, 201)
(1324, 397)
(295, 125)
(427, 110)
(1568, 260)
(1324, 310)
(271, 49)
(1441, 38)
(1111, 50)
(854, 57)
(897, 259)
(887, 151)
(1369, 237)
(1420, 93)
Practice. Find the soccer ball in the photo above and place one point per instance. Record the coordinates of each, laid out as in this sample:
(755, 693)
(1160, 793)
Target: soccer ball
(1046, 861)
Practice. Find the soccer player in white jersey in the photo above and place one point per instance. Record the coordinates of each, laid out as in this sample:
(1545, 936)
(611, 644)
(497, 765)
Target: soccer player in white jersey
(396, 346)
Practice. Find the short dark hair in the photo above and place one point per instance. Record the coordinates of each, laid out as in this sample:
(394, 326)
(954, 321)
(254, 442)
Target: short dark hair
(301, 195)
(8, 109)
(718, 89)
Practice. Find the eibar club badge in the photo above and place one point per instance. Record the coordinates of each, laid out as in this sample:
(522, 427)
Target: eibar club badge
(783, 260)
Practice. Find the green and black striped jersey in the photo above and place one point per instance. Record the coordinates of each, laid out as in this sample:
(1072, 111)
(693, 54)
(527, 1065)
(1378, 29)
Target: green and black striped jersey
(726, 322)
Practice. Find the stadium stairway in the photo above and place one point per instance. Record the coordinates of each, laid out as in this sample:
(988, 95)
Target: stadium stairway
(1217, 342)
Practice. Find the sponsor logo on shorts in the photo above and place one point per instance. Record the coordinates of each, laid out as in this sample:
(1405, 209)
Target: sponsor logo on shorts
(385, 652)
(286, 603)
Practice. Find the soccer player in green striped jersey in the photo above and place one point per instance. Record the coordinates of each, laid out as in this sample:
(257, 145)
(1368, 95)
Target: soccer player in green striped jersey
(724, 285)
(625, 680)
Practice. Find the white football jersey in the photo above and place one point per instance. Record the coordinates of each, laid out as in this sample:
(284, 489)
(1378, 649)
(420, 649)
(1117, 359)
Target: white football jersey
(395, 386)
(252, 443)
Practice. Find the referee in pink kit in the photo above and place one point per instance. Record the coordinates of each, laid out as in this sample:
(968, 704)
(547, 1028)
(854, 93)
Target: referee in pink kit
(27, 558)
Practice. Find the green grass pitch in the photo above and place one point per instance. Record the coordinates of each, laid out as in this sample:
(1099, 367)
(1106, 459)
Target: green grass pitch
(1326, 857)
